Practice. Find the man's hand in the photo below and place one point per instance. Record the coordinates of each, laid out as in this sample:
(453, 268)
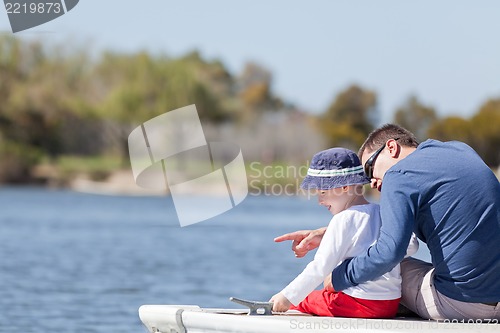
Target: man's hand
(281, 303)
(303, 240)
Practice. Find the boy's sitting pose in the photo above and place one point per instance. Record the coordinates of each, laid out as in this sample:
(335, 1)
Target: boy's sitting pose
(337, 176)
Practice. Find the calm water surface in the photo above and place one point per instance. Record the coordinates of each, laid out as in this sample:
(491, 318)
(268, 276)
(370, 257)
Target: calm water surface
(72, 262)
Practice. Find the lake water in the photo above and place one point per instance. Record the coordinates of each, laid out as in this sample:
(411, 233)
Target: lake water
(72, 262)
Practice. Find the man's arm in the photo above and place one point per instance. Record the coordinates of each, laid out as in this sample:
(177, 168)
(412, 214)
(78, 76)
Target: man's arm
(398, 210)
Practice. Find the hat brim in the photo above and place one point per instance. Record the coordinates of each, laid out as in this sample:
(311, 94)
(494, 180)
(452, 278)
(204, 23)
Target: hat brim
(327, 183)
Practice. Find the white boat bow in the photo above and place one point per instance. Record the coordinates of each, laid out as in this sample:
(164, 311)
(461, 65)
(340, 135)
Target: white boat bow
(193, 319)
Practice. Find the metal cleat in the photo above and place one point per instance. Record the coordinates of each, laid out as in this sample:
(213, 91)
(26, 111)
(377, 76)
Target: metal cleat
(256, 308)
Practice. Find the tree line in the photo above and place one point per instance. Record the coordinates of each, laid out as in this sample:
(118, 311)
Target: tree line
(57, 102)
(351, 117)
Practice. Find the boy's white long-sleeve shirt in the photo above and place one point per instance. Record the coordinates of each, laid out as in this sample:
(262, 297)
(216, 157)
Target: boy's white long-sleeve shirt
(349, 234)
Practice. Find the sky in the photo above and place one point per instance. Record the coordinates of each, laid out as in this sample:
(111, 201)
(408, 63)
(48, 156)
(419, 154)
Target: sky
(447, 53)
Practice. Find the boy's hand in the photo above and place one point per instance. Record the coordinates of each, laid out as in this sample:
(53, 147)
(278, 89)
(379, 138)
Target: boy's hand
(281, 303)
(328, 283)
(303, 240)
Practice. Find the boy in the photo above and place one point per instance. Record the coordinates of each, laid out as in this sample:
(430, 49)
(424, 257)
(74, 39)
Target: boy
(338, 177)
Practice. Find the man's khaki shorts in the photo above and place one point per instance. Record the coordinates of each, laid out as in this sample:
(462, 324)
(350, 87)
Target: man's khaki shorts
(420, 296)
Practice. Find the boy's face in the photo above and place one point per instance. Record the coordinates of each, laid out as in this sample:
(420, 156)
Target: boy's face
(335, 200)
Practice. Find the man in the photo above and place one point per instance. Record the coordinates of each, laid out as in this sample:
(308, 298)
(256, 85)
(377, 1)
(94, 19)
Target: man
(451, 200)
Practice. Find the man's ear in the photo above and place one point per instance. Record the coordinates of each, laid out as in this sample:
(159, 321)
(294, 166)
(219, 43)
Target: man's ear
(394, 148)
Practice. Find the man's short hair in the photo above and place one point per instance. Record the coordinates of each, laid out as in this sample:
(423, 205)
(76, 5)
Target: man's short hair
(381, 135)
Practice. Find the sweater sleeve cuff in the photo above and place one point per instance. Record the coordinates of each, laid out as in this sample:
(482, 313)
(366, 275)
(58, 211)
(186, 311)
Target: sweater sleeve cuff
(340, 280)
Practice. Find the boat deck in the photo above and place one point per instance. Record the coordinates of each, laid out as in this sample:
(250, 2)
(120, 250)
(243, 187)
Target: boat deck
(193, 319)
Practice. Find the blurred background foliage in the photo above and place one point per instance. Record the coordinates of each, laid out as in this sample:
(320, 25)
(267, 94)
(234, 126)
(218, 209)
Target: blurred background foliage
(64, 112)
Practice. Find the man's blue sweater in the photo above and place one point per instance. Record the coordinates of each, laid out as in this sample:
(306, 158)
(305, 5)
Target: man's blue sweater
(447, 195)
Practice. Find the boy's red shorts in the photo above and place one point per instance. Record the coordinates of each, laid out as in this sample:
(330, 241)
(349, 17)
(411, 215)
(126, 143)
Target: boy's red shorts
(337, 304)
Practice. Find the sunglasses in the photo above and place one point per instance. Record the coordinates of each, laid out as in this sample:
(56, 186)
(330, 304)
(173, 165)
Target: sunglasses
(369, 164)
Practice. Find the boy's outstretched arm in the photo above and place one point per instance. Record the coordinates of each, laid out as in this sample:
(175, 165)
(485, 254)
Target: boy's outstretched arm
(303, 240)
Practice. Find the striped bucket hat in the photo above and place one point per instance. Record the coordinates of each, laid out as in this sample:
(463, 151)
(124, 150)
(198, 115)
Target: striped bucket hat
(332, 168)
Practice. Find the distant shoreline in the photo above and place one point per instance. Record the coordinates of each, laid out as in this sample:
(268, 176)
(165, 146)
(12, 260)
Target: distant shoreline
(121, 182)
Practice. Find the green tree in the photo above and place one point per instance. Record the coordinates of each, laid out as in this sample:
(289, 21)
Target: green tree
(416, 117)
(136, 88)
(451, 128)
(41, 97)
(480, 132)
(41, 100)
(350, 117)
(486, 132)
(254, 93)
